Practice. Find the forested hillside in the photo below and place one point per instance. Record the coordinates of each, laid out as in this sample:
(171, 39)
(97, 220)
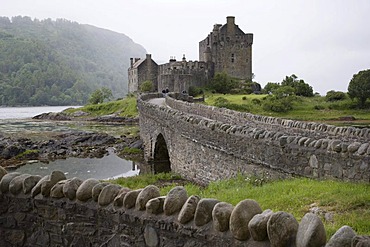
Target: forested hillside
(60, 62)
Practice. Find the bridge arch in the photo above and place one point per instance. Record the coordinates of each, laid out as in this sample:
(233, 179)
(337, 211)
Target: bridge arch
(161, 158)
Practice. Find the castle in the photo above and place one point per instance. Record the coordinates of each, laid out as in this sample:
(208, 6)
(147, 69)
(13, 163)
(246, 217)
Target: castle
(226, 49)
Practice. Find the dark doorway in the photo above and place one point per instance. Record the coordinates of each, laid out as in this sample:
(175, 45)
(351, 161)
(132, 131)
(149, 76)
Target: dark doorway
(161, 162)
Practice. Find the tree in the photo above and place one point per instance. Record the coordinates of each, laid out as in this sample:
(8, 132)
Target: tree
(359, 87)
(301, 88)
(222, 83)
(271, 87)
(99, 95)
(146, 86)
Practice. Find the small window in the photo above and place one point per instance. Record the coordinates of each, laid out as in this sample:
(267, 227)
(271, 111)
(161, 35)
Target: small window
(232, 60)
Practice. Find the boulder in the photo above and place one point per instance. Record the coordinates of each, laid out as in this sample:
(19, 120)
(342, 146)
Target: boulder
(342, 238)
(221, 216)
(361, 241)
(37, 188)
(258, 225)
(57, 190)
(203, 212)
(84, 191)
(70, 188)
(282, 229)
(30, 182)
(96, 190)
(188, 209)
(16, 185)
(311, 231)
(175, 200)
(108, 193)
(129, 200)
(243, 212)
(149, 192)
(6, 179)
(155, 205)
(46, 185)
(118, 200)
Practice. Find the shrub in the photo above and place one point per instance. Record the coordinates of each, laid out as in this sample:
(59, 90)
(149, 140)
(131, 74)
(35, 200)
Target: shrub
(221, 102)
(335, 96)
(195, 91)
(256, 101)
(146, 86)
(275, 104)
(319, 107)
(244, 98)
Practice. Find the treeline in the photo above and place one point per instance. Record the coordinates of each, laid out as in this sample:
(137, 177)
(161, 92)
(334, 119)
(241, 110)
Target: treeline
(60, 62)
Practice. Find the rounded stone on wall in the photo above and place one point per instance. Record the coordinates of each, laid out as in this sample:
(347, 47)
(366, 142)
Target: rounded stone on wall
(282, 229)
(96, 190)
(258, 225)
(188, 209)
(16, 184)
(84, 191)
(118, 200)
(145, 195)
(155, 205)
(108, 194)
(130, 198)
(221, 216)
(37, 188)
(57, 190)
(243, 212)
(30, 182)
(6, 179)
(203, 212)
(343, 237)
(70, 188)
(2, 172)
(311, 231)
(175, 199)
(54, 178)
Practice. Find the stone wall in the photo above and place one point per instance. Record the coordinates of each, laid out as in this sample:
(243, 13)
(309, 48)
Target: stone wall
(208, 143)
(55, 211)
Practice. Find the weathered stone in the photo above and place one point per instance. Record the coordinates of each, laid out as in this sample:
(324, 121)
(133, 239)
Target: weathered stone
(96, 190)
(203, 213)
(129, 200)
(314, 163)
(175, 199)
(145, 195)
(30, 182)
(108, 193)
(362, 149)
(221, 216)
(55, 177)
(84, 191)
(57, 190)
(2, 172)
(353, 147)
(188, 209)
(258, 225)
(6, 179)
(155, 205)
(311, 232)
(151, 237)
(361, 241)
(16, 185)
(37, 188)
(118, 200)
(243, 212)
(70, 188)
(282, 229)
(342, 238)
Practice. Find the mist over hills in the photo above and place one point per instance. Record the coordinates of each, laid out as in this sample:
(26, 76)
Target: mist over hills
(60, 62)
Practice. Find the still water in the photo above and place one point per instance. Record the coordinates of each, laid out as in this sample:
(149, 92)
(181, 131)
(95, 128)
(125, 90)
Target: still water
(16, 121)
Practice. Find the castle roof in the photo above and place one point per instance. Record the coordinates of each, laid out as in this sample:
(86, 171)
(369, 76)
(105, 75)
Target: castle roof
(138, 63)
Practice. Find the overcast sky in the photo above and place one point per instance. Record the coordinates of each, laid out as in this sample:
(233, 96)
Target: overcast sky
(322, 42)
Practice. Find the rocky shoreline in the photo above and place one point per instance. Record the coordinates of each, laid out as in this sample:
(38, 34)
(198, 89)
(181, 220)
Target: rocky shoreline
(16, 151)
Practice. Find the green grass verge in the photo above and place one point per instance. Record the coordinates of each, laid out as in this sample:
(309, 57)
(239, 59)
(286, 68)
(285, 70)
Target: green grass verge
(349, 202)
(124, 108)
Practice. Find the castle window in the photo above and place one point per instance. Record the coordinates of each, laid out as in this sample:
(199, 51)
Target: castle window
(232, 57)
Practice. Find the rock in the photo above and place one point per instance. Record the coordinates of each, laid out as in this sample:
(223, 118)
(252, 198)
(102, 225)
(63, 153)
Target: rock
(221, 216)
(6, 179)
(2, 172)
(137, 144)
(362, 149)
(96, 190)
(60, 116)
(353, 147)
(145, 195)
(258, 225)
(118, 200)
(151, 237)
(57, 190)
(46, 185)
(30, 182)
(70, 188)
(37, 188)
(203, 212)
(311, 231)
(84, 192)
(129, 200)
(16, 185)
(342, 238)
(282, 229)
(243, 212)
(361, 241)
(108, 194)
(155, 205)
(188, 210)
(175, 200)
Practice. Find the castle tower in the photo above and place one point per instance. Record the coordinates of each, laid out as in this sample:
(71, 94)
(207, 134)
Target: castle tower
(229, 48)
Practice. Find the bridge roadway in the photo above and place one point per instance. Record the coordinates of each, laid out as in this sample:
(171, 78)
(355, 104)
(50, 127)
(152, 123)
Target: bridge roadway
(206, 143)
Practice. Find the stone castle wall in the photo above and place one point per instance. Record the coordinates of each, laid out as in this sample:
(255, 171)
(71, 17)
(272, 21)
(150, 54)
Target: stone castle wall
(55, 211)
(207, 143)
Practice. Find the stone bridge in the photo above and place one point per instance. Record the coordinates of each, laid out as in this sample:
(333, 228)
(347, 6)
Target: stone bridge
(205, 143)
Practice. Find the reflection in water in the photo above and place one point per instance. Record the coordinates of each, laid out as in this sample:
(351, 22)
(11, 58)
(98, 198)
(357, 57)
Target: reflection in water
(108, 167)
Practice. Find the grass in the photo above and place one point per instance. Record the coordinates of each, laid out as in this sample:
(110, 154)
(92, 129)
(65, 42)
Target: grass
(349, 202)
(124, 108)
(306, 109)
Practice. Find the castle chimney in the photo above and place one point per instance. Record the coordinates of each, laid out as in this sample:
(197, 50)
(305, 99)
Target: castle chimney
(148, 56)
(230, 25)
(131, 61)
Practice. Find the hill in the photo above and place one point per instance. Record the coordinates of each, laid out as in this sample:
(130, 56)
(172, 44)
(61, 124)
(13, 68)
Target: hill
(60, 62)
